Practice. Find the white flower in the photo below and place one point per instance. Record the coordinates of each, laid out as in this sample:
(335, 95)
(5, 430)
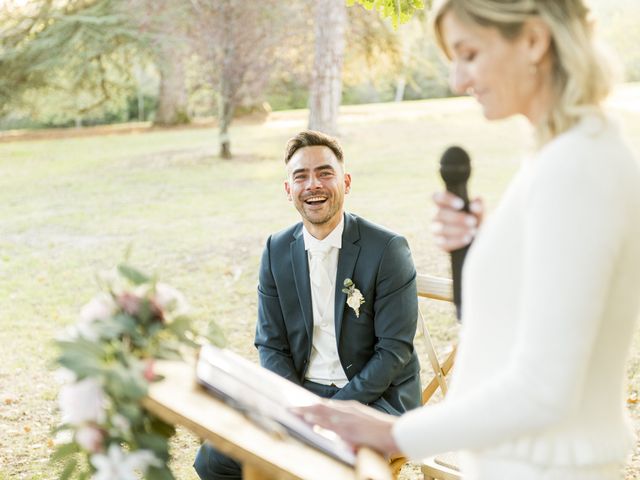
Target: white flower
(171, 299)
(142, 459)
(90, 438)
(354, 300)
(117, 465)
(354, 296)
(64, 376)
(101, 307)
(121, 423)
(83, 401)
(62, 437)
(112, 465)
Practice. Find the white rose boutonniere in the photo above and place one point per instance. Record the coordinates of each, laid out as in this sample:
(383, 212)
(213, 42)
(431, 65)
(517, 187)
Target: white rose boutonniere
(354, 296)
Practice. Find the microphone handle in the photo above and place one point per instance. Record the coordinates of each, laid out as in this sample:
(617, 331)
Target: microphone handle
(458, 256)
(460, 190)
(457, 260)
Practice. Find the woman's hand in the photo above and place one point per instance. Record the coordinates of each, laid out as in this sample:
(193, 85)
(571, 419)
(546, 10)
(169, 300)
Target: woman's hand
(452, 227)
(355, 423)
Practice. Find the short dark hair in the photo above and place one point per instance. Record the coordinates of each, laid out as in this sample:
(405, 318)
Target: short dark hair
(312, 138)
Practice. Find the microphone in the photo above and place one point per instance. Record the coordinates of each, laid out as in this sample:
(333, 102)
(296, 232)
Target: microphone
(455, 169)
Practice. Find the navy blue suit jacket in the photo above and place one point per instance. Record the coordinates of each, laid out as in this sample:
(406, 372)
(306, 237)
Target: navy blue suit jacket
(376, 348)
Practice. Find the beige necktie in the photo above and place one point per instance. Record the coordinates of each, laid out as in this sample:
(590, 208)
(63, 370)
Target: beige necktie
(320, 280)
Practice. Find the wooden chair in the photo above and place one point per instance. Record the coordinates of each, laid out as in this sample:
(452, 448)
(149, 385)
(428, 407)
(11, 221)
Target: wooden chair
(435, 288)
(441, 467)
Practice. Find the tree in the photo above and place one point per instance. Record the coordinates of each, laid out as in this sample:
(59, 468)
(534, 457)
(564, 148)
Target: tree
(88, 49)
(238, 43)
(172, 97)
(164, 25)
(330, 18)
(26, 59)
(374, 54)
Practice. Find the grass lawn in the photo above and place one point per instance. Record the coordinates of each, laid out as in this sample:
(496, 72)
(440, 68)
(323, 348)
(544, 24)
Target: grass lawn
(70, 207)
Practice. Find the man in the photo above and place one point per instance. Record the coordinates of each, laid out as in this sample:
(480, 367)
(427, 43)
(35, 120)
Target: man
(346, 341)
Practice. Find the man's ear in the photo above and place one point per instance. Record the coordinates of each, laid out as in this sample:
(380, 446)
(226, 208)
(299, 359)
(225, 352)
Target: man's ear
(287, 188)
(347, 182)
(537, 36)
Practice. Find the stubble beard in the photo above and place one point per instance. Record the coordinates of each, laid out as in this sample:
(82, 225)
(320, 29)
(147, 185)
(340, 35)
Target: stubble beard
(334, 208)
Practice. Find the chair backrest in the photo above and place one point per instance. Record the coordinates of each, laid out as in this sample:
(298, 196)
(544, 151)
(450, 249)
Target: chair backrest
(435, 288)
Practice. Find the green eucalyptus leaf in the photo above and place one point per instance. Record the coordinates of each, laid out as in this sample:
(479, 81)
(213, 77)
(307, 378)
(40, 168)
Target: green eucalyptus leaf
(180, 325)
(215, 335)
(161, 427)
(125, 383)
(155, 328)
(154, 442)
(80, 362)
(166, 352)
(87, 347)
(125, 322)
(131, 411)
(134, 276)
(64, 450)
(145, 311)
(159, 473)
(68, 469)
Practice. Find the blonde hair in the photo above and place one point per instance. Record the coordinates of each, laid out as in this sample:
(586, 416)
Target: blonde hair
(583, 74)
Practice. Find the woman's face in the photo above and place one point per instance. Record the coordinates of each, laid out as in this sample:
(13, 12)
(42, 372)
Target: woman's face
(498, 72)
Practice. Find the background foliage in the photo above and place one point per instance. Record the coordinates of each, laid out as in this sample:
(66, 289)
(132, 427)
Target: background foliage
(84, 62)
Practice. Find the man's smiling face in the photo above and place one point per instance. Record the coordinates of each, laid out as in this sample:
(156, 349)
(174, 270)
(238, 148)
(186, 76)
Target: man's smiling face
(317, 185)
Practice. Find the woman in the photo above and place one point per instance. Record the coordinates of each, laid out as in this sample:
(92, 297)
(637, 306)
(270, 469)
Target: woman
(551, 285)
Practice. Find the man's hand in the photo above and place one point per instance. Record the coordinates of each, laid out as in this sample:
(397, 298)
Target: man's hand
(356, 424)
(453, 228)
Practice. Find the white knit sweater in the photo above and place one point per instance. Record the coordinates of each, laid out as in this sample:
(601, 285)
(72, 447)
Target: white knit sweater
(551, 291)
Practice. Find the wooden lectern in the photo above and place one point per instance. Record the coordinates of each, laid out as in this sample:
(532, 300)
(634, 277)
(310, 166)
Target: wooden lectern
(178, 400)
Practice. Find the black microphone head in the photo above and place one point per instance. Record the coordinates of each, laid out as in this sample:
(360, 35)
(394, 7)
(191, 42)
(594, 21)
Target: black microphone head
(455, 166)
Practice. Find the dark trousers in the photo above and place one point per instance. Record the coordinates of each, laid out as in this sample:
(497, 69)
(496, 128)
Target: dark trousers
(210, 464)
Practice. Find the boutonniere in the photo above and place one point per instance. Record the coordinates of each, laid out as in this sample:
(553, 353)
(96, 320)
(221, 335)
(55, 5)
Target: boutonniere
(354, 296)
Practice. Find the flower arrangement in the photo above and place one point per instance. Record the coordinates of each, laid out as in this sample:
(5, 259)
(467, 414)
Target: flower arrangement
(107, 359)
(354, 296)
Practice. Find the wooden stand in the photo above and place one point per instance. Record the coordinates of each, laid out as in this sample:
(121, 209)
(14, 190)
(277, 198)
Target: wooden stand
(178, 400)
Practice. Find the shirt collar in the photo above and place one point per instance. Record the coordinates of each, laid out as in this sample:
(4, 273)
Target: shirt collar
(334, 239)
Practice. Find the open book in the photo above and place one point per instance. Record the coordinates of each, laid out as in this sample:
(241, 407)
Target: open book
(266, 398)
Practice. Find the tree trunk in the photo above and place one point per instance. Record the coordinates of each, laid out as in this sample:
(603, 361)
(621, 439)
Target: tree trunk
(226, 98)
(225, 115)
(226, 110)
(401, 83)
(326, 88)
(172, 98)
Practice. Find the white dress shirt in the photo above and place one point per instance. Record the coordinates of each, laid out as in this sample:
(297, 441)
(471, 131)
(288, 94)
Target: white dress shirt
(324, 365)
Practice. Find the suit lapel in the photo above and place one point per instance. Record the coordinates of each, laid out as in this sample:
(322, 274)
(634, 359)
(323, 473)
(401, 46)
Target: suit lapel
(301, 278)
(346, 265)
